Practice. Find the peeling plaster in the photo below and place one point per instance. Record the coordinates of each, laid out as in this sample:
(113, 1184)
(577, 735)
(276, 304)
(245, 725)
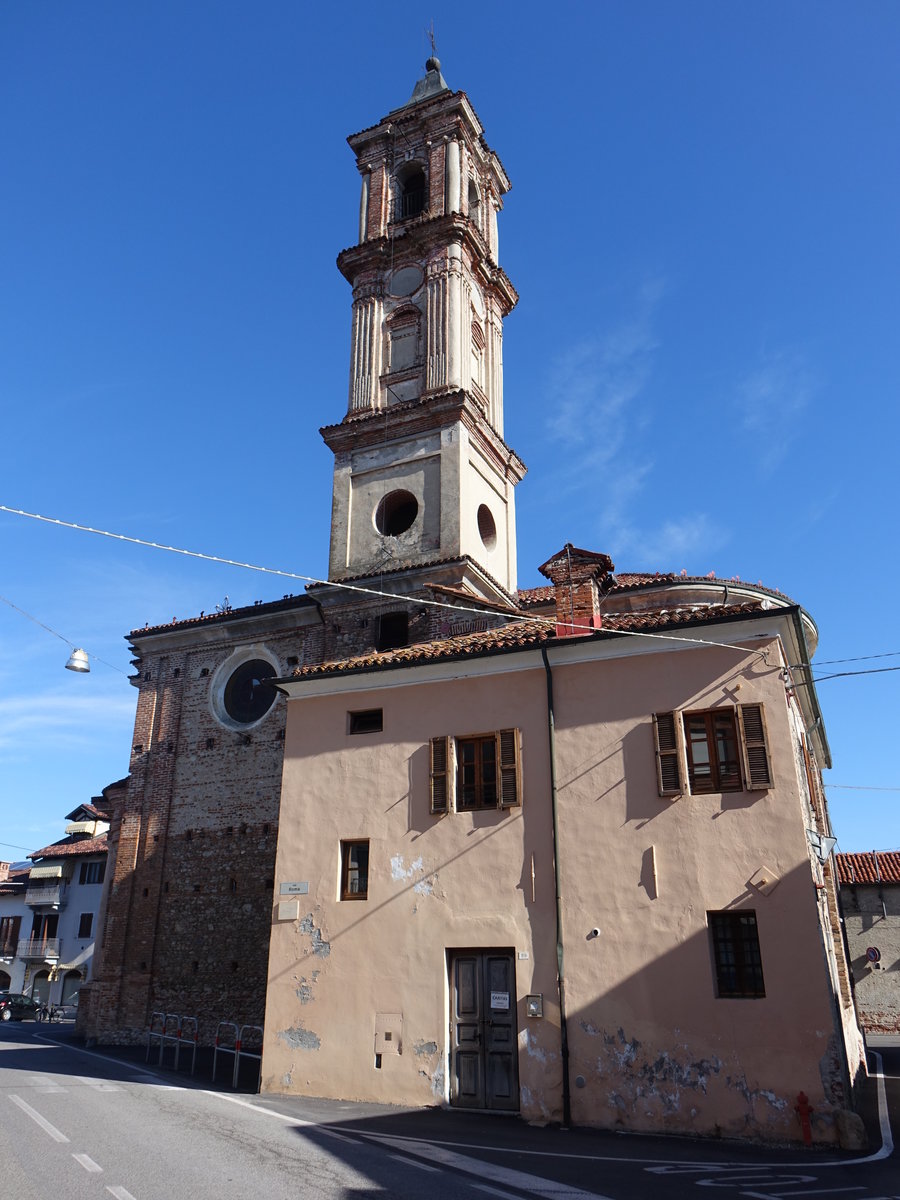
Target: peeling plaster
(398, 873)
(319, 945)
(287, 1079)
(299, 1038)
(425, 1048)
(663, 1079)
(533, 1049)
(437, 1082)
(529, 1100)
(831, 1073)
(304, 991)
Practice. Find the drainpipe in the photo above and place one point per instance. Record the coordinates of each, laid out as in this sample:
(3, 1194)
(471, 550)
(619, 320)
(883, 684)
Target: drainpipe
(560, 966)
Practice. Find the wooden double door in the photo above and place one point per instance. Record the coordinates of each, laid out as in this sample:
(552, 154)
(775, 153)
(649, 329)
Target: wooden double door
(484, 1063)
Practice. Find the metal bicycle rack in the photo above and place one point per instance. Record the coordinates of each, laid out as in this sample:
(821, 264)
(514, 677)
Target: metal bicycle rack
(169, 1029)
(220, 1049)
(240, 1052)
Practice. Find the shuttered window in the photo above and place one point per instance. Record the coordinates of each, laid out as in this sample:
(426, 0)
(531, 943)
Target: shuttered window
(440, 762)
(757, 767)
(668, 764)
(718, 750)
(486, 767)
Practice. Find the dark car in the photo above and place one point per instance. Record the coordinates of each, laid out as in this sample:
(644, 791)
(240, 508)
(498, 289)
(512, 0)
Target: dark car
(16, 1007)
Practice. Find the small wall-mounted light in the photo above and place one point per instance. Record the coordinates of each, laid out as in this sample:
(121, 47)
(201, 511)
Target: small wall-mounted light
(534, 1005)
(78, 661)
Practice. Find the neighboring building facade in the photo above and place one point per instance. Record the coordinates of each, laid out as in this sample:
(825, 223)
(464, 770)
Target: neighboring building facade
(14, 914)
(48, 942)
(402, 868)
(870, 900)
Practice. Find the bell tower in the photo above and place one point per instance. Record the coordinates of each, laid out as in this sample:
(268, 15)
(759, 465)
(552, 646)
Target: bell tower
(423, 480)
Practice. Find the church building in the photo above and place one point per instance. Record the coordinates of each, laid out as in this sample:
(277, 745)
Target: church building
(548, 851)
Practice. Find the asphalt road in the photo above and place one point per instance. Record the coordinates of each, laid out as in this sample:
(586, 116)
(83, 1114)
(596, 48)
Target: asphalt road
(83, 1124)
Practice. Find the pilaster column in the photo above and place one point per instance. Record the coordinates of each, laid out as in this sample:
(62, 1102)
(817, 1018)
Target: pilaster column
(452, 178)
(364, 208)
(436, 327)
(455, 317)
(365, 352)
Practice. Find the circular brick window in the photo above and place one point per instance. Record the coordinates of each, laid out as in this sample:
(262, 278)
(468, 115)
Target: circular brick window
(248, 695)
(396, 512)
(487, 527)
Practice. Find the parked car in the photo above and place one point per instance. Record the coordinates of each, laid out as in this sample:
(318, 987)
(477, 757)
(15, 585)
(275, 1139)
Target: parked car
(16, 1007)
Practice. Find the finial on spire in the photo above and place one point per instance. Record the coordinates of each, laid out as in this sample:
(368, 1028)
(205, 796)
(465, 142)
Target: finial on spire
(433, 63)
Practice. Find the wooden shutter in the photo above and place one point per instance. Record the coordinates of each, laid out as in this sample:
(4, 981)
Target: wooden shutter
(440, 764)
(669, 770)
(510, 768)
(757, 768)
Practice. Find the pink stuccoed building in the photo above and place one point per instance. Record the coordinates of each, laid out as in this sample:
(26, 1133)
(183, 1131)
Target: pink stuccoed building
(565, 871)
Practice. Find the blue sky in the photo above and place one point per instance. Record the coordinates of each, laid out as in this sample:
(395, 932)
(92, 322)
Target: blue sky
(702, 372)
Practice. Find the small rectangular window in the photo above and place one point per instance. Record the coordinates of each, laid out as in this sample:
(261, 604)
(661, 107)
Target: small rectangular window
(355, 870)
(393, 631)
(735, 945)
(712, 751)
(92, 872)
(85, 924)
(370, 720)
(476, 772)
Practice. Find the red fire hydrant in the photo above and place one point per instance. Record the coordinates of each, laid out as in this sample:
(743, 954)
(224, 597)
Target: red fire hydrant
(803, 1108)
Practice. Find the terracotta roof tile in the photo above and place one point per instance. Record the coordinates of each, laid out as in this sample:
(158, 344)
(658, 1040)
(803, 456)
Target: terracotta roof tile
(70, 846)
(536, 631)
(872, 867)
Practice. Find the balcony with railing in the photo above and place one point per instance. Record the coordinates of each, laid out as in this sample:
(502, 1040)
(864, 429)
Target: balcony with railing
(40, 948)
(8, 949)
(47, 895)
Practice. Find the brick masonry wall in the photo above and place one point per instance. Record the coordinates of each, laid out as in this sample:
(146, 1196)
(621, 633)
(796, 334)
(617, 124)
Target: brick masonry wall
(189, 901)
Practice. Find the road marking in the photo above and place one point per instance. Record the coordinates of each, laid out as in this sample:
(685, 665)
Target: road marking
(805, 1192)
(534, 1184)
(39, 1120)
(411, 1162)
(87, 1162)
(480, 1187)
(748, 1177)
(44, 1084)
(120, 1193)
(99, 1085)
(339, 1137)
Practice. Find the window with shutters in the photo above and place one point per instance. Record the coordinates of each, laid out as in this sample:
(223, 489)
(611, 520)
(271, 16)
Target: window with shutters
(717, 750)
(736, 954)
(478, 771)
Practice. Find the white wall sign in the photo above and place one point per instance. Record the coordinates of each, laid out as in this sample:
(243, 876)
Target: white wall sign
(294, 889)
(500, 1000)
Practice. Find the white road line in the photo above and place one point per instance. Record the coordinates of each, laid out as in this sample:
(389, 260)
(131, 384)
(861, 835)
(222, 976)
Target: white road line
(120, 1193)
(810, 1192)
(536, 1185)
(480, 1187)
(87, 1162)
(99, 1085)
(44, 1084)
(411, 1162)
(39, 1120)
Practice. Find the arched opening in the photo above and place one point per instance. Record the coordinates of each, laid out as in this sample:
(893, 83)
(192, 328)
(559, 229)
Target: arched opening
(411, 194)
(396, 512)
(474, 204)
(71, 983)
(40, 987)
(487, 527)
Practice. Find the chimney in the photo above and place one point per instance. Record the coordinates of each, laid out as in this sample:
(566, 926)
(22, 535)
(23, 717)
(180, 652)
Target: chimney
(4, 872)
(580, 578)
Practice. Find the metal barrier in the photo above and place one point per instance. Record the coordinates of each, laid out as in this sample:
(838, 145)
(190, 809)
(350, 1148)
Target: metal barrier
(188, 1032)
(169, 1029)
(220, 1049)
(155, 1030)
(240, 1052)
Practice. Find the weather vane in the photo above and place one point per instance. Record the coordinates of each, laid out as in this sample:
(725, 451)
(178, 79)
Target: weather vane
(430, 32)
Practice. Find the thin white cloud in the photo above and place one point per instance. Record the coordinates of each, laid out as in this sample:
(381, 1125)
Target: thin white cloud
(59, 719)
(772, 399)
(601, 416)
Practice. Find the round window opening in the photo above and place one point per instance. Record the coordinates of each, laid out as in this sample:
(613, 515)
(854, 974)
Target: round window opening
(248, 694)
(396, 512)
(486, 527)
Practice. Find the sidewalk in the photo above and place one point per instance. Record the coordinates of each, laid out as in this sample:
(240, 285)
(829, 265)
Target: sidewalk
(501, 1134)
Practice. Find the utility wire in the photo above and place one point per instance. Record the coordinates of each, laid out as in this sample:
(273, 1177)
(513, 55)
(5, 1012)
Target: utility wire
(95, 657)
(843, 674)
(860, 787)
(352, 587)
